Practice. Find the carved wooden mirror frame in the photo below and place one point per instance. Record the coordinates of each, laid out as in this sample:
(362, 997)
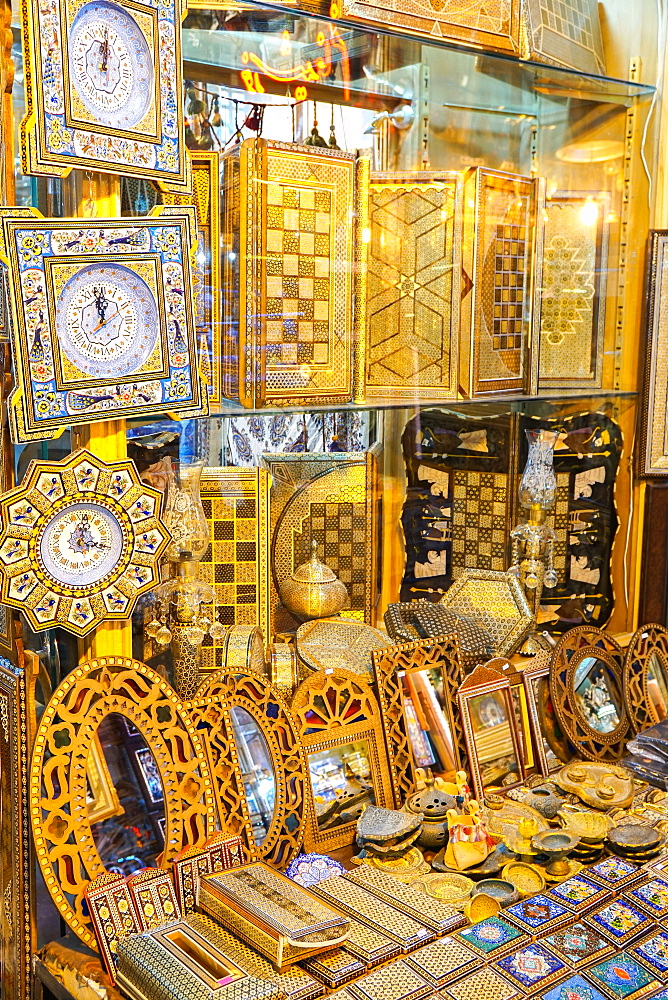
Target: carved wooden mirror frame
(573, 647)
(211, 708)
(650, 640)
(64, 842)
(334, 708)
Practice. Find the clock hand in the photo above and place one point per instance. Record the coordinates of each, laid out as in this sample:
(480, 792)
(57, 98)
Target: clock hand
(101, 302)
(104, 50)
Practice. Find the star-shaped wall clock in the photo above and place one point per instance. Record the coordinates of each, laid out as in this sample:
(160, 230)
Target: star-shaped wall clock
(80, 542)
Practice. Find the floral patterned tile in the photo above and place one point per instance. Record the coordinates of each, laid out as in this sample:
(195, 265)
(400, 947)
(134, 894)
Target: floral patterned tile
(539, 915)
(615, 873)
(623, 978)
(579, 893)
(651, 897)
(652, 952)
(579, 945)
(492, 938)
(574, 988)
(620, 922)
(531, 967)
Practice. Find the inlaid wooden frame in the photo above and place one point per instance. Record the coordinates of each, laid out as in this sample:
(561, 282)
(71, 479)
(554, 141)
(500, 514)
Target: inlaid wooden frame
(653, 445)
(334, 709)
(650, 641)
(531, 679)
(391, 665)
(573, 648)
(62, 835)
(211, 708)
(483, 681)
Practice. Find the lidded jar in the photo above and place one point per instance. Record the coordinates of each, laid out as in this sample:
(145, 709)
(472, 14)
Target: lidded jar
(313, 590)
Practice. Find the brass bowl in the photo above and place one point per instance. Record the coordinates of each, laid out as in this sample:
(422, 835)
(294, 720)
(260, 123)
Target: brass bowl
(527, 880)
(498, 888)
(481, 907)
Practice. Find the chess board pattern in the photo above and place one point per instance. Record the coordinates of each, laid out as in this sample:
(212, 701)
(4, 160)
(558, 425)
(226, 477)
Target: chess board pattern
(413, 284)
(236, 564)
(288, 325)
(572, 309)
(331, 498)
(480, 521)
(565, 32)
(497, 256)
(493, 24)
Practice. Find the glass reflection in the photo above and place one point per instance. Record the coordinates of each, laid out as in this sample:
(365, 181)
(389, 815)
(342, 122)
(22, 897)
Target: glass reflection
(597, 694)
(125, 797)
(342, 783)
(657, 687)
(493, 735)
(428, 721)
(257, 771)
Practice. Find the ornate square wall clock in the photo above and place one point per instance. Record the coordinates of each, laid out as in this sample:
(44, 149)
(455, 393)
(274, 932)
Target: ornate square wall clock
(104, 323)
(572, 306)
(287, 274)
(104, 88)
(499, 257)
(80, 542)
(411, 292)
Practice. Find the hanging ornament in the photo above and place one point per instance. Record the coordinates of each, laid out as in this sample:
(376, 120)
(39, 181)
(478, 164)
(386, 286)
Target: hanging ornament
(315, 139)
(333, 144)
(214, 112)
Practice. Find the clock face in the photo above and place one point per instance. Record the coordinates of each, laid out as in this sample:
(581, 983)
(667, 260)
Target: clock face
(107, 321)
(81, 544)
(110, 64)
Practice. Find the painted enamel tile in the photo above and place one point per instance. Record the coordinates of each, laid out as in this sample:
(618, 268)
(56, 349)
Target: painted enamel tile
(539, 915)
(651, 897)
(652, 952)
(623, 978)
(492, 937)
(579, 893)
(531, 966)
(620, 922)
(615, 873)
(573, 988)
(579, 945)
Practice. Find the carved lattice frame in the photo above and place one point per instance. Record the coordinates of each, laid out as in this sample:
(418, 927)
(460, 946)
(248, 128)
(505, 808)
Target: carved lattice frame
(62, 834)
(440, 653)
(575, 646)
(211, 709)
(332, 709)
(650, 640)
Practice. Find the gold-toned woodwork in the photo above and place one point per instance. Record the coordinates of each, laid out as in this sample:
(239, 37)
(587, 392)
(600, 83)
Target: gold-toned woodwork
(572, 305)
(506, 744)
(339, 643)
(16, 864)
(208, 312)
(581, 644)
(103, 799)
(412, 285)
(566, 34)
(653, 445)
(211, 707)
(236, 564)
(335, 709)
(63, 839)
(535, 678)
(501, 218)
(645, 678)
(497, 601)
(283, 672)
(334, 499)
(390, 666)
(287, 274)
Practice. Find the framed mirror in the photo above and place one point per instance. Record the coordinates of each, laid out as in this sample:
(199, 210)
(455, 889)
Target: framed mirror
(490, 731)
(586, 676)
(548, 740)
(340, 728)
(256, 760)
(417, 684)
(154, 759)
(645, 682)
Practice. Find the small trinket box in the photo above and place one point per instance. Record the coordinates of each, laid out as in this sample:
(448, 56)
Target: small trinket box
(531, 968)
(397, 981)
(425, 909)
(539, 915)
(579, 945)
(620, 922)
(113, 915)
(443, 962)
(492, 938)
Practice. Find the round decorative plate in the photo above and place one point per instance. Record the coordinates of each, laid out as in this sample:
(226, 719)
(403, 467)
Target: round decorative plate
(81, 541)
(309, 869)
(631, 837)
(451, 889)
(527, 880)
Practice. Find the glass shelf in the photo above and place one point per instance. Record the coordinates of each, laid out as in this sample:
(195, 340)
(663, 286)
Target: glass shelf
(477, 81)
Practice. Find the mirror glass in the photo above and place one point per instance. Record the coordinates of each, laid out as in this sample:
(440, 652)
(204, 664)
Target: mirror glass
(342, 783)
(428, 721)
(657, 687)
(125, 797)
(597, 694)
(492, 731)
(257, 770)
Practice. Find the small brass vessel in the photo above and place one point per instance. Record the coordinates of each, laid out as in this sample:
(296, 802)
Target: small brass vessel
(313, 590)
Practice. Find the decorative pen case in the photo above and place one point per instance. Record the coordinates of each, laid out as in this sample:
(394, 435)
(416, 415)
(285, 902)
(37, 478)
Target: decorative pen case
(431, 912)
(178, 962)
(359, 903)
(271, 913)
(218, 854)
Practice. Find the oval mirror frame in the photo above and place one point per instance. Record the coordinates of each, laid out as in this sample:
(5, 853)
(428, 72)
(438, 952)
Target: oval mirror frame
(210, 709)
(62, 834)
(574, 646)
(650, 640)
